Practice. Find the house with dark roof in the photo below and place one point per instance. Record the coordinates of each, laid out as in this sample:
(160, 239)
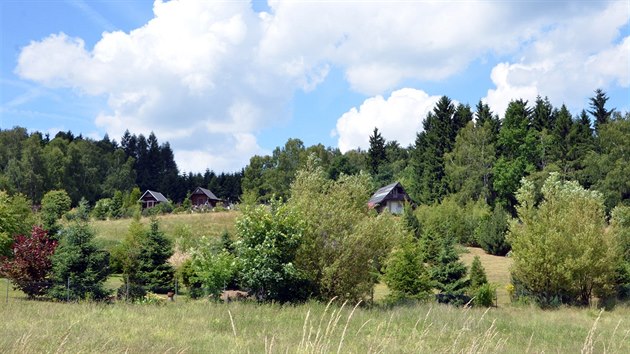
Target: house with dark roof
(151, 198)
(204, 197)
(392, 198)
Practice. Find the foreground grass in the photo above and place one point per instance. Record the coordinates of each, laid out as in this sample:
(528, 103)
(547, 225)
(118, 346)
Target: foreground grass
(33, 326)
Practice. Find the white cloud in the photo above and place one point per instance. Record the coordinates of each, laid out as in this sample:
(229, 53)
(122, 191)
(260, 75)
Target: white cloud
(568, 62)
(398, 118)
(207, 75)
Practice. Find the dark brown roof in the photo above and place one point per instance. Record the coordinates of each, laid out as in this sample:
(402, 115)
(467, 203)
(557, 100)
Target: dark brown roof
(207, 192)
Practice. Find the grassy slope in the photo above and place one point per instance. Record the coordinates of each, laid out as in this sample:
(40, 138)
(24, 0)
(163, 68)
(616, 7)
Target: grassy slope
(110, 232)
(497, 270)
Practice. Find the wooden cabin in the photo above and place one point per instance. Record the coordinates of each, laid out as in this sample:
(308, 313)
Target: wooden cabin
(151, 198)
(203, 197)
(392, 198)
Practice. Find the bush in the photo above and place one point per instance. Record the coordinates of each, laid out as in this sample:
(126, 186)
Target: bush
(101, 209)
(450, 220)
(30, 268)
(269, 240)
(54, 205)
(186, 273)
(16, 219)
(485, 295)
(491, 232)
(214, 271)
(561, 250)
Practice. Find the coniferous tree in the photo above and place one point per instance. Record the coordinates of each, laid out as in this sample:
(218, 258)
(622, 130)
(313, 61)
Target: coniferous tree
(79, 267)
(449, 273)
(376, 153)
(477, 274)
(438, 137)
(153, 270)
(598, 109)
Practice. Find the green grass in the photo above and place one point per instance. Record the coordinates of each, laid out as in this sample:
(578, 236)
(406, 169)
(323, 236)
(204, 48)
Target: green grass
(213, 224)
(200, 326)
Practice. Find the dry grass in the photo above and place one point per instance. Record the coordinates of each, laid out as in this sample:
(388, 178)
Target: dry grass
(497, 270)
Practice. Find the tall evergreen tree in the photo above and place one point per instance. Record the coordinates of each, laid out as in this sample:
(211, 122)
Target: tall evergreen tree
(440, 129)
(376, 153)
(79, 267)
(598, 109)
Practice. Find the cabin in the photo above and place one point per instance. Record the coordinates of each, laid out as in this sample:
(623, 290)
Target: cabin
(202, 197)
(392, 198)
(151, 198)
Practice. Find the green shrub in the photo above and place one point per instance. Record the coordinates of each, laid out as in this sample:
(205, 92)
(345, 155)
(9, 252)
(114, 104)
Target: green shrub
(491, 232)
(560, 248)
(485, 295)
(54, 205)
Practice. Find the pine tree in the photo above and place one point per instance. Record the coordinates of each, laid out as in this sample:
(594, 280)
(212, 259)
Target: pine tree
(376, 153)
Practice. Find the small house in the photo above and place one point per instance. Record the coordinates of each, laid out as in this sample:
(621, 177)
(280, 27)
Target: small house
(203, 197)
(392, 198)
(150, 199)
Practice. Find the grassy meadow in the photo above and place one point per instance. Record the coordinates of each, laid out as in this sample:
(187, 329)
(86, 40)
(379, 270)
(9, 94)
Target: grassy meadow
(203, 326)
(208, 327)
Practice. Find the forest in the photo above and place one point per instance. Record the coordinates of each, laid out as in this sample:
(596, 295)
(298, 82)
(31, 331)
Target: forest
(475, 154)
(32, 164)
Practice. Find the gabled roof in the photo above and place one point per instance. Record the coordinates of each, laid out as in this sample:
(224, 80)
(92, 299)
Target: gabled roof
(207, 192)
(157, 195)
(382, 193)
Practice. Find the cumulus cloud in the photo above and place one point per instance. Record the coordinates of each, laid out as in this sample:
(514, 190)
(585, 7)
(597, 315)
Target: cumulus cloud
(398, 118)
(568, 62)
(208, 76)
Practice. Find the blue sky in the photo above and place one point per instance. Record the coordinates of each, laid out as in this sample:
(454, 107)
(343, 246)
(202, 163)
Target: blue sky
(222, 81)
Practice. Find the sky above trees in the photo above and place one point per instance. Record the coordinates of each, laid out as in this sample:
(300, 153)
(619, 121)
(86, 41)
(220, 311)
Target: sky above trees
(222, 81)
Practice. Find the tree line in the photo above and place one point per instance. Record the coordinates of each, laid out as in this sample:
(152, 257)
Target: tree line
(474, 154)
(33, 164)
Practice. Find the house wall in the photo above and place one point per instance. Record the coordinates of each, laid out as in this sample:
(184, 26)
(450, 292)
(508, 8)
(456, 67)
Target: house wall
(395, 206)
(198, 199)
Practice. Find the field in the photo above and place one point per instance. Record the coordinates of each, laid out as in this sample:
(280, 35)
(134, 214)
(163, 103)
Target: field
(237, 327)
(201, 326)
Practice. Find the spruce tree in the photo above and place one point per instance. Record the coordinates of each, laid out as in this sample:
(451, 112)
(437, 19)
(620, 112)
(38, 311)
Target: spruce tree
(449, 273)
(411, 222)
(598, 109)
(376, 153)
(153, 270)
(79, 267)
(477, 274)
